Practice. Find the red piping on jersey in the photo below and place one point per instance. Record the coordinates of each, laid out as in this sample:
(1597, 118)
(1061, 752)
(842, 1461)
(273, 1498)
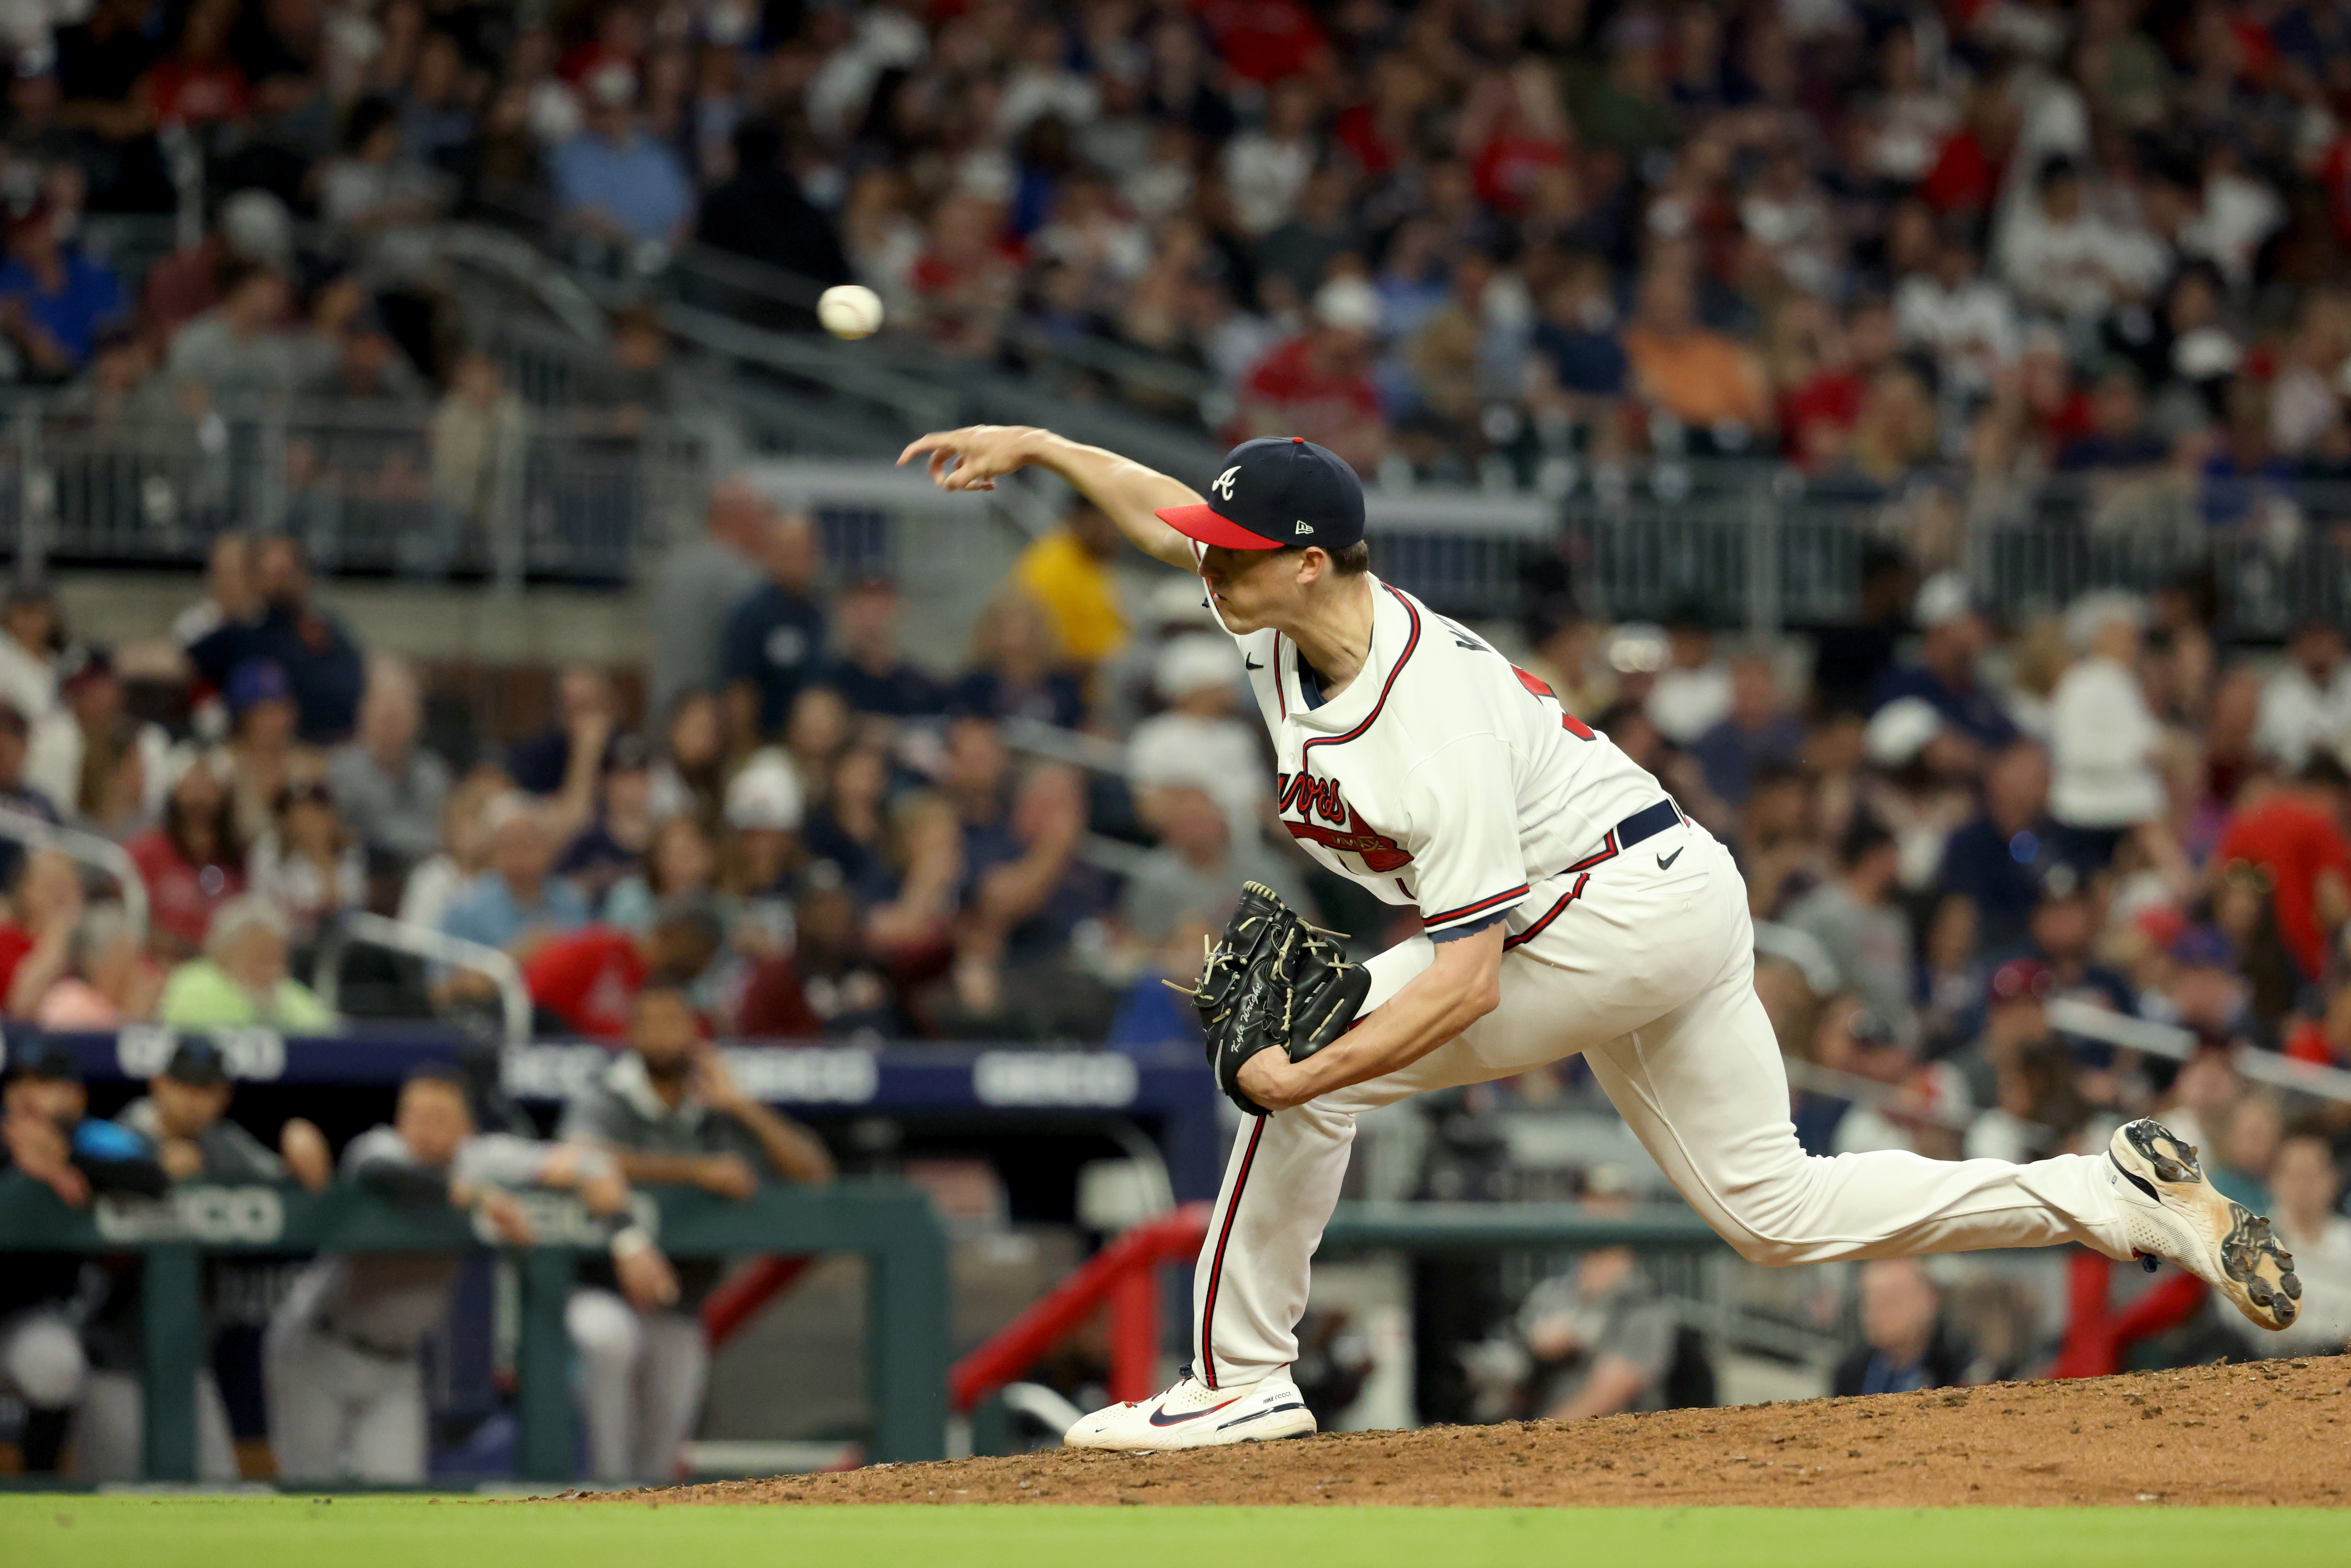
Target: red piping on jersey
(1280, 695)
(1389, 685)
(1206, 1370)
(1583, 870)
(1433, 921)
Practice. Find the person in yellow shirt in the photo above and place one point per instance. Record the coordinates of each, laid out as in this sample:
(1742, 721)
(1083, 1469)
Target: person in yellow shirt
(1068, 573)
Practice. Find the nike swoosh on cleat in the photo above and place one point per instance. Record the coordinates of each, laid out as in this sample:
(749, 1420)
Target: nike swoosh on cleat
(1666, 863)
(2136, 1179)
(1160, 1419)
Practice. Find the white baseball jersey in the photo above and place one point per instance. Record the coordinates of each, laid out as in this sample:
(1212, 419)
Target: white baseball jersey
(1443, 777)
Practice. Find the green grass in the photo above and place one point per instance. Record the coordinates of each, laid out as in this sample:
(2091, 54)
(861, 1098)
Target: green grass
(60, 1530)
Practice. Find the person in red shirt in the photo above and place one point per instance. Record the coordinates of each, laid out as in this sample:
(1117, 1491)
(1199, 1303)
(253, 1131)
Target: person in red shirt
(1265, 40)
(192, 860)
(2294, 833)
(588, 979)
(197, 83)
(1319, 387)
(37, 937)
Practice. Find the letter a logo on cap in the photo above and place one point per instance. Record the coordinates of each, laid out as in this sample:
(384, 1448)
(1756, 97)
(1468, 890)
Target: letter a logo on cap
(1224, 481)
(1303, 527)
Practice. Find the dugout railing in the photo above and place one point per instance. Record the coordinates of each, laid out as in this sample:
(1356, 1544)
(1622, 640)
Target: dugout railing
(891, 1224)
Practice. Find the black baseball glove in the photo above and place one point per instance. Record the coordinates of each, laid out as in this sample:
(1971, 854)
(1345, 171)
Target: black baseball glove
(1273, 983)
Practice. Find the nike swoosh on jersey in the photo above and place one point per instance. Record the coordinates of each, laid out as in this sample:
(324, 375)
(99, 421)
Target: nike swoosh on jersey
(1161, 1418)
(1666, 863)
(1249, 663)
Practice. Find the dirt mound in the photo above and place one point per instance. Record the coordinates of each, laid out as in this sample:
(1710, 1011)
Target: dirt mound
(2271, 1432)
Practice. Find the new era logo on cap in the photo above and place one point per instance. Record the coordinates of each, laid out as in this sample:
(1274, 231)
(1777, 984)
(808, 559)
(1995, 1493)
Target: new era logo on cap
(1275, 494)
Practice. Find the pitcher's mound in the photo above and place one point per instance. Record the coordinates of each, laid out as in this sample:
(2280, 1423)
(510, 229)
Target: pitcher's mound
(2270, 1432)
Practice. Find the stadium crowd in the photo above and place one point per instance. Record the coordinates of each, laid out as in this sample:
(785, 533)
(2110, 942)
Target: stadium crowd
(1997, 241)
(1983, 242)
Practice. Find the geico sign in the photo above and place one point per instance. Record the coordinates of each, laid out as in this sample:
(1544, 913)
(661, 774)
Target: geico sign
(214, 1216)
(1052, 1078)
(141, 1051)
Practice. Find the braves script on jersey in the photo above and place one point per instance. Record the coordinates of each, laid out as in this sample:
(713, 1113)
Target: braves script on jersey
(1443, 777)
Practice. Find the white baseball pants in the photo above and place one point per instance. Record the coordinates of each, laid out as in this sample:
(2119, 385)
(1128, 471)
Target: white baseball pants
(341, 1413)
(641, 1382)
(1650, 974)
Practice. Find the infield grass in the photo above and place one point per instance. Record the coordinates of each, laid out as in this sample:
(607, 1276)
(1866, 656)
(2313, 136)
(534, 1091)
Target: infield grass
(69, 1531)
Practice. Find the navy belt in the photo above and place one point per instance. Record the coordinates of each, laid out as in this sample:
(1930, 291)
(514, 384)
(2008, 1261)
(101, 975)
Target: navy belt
(1646, 823)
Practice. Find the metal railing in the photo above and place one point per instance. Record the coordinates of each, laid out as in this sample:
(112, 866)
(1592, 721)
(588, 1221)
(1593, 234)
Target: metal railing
(359, 928)
(86, 849)
(504, 493)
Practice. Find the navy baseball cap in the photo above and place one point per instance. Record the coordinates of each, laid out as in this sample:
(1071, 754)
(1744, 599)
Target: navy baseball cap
(1276, 493)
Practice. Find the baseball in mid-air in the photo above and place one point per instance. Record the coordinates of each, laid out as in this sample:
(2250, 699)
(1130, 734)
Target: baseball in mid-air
(850, 310)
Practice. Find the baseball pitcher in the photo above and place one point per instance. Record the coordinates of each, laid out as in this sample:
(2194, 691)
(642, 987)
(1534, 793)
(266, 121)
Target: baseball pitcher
(1568, 906)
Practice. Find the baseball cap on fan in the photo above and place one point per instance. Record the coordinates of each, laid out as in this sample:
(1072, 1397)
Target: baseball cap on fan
(1276, 493)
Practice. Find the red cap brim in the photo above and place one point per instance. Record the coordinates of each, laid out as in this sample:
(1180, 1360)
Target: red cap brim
(1205, 523)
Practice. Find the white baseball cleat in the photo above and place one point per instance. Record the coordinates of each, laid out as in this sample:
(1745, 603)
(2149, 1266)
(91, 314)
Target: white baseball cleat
(1194, 1415)
(2172, 1211)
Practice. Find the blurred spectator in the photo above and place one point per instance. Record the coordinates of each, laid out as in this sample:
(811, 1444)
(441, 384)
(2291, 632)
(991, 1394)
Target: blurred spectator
(373, 184)
(76, 751)
(1993, 861)
(679, 863)
(16, 794)
(2104, 743)
(697, 586)
(1197, 741)
(1706, 381)
(668, 1110)
(1954, 637)
(1319, 387)
(588, 979)
(564, 758)
(235, 353)
(1906, 1346)
(32, 635)
(1855, 917)
(2293, 831)
(612, 180)
(308, 863)
(107, 982)
(515, 904)
(241, 980)
(253, 228)
(761, 212)
(321, 662)
(2307, 703)
(2062, 255)
(619, 826)
(343, 1361)
(2304, 1182)
(1068, 574)
(53, 298)
(262, 754)
(775, 638)
(230, 597)
(1758, 730)
(1690, 693)
(437, 882)
(872, 674)
(1602, 1340)
(764, 806)
(390, 789)
(689, 772)
(192, 861)
(478, 433)
(44, 903)
(1195, 876)
(1014, 671)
